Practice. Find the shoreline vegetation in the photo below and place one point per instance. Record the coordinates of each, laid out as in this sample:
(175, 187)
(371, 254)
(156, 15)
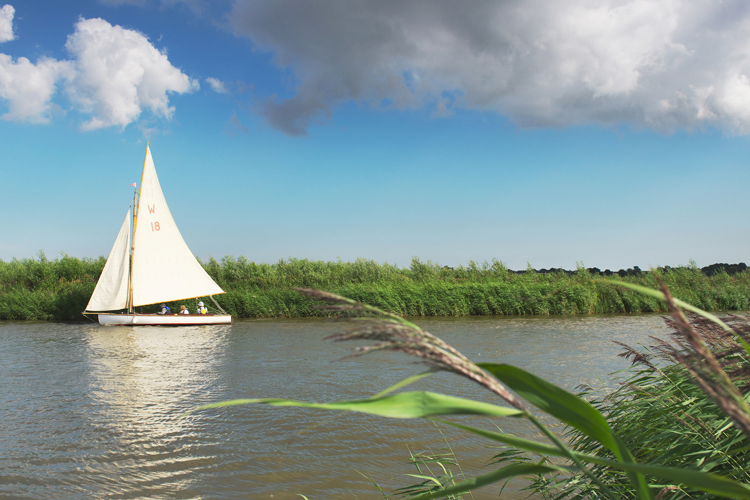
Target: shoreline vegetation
(59, 289)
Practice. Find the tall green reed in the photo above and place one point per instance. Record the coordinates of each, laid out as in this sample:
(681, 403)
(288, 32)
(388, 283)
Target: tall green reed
(59, 288)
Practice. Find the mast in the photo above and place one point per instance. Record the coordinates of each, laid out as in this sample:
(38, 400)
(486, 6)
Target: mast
(132, 245)
(130, 270)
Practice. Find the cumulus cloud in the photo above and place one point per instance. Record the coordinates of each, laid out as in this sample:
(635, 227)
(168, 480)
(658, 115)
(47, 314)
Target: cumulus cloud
(28, 87)
(113, 75)
(663, 64)
(6, 23)
(217, 85)
(118, 73)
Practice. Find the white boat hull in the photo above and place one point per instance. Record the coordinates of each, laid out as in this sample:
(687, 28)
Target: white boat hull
(164, 319)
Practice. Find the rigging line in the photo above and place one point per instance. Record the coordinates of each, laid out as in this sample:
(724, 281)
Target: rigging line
(84, 315)
(217, 304)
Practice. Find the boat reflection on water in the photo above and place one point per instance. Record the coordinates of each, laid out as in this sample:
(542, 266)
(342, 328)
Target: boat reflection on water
(142, 380)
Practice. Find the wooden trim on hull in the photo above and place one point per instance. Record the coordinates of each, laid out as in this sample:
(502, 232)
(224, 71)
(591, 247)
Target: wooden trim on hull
(164, 320)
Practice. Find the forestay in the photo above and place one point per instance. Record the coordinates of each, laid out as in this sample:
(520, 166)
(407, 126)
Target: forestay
(164, 269)
(111, 291)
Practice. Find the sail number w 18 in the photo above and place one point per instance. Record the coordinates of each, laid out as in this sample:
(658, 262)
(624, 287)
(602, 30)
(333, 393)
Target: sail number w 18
(154, 225)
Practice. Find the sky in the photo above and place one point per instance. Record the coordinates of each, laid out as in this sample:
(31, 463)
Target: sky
(544, 132)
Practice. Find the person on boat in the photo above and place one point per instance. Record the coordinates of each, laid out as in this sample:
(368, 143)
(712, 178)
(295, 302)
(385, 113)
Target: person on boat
(184, 310)
(165, 309)
(201, 309)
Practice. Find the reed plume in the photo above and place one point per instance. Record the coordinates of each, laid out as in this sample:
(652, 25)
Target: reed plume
(394, 333)
(695, 351)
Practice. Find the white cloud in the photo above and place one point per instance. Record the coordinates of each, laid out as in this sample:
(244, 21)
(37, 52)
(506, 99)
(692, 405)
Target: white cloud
(114, 74)
(6, 23)
(217, 85)
(29, 87)
(663, 64)
(118, 73)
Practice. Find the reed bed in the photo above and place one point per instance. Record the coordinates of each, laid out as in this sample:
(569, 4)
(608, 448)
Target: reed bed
(671, 409)
(59, 289)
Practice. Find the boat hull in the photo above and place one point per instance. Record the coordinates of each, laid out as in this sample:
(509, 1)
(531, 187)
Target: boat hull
(164, 319)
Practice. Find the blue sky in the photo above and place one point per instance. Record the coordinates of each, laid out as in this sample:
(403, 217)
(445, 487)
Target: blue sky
(550, 133)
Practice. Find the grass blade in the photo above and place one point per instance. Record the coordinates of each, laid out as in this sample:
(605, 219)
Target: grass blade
(493, 477)
(511, 440)
(406, 382)
(558, 402)
(403, 405)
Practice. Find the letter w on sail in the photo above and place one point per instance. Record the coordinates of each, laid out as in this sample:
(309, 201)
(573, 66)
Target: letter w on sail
(151, 209)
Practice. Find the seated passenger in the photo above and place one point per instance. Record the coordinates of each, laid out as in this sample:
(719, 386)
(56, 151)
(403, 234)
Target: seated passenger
(201, 309)
(183, 310)
(165, 309)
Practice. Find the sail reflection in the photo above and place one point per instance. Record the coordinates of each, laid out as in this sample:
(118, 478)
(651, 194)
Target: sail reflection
(144, 378)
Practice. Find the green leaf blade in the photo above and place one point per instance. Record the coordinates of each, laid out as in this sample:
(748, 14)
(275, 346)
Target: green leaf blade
(555, 401)
(404, 405)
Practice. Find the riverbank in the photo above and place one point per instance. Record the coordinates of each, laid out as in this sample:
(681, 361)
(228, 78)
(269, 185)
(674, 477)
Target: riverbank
(59, 289)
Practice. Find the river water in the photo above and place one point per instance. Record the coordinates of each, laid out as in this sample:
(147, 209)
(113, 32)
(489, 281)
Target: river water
(94, 412)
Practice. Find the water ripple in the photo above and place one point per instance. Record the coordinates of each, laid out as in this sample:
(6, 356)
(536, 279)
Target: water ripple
(93, 412)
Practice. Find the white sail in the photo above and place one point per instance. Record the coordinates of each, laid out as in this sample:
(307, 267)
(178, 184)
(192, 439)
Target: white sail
(164, 269)
(111, 290)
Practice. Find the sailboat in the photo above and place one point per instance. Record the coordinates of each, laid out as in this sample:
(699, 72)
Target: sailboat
(152, 267)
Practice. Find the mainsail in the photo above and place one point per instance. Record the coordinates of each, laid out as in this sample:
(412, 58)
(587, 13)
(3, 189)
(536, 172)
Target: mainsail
(164, 269)
(111, 291)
